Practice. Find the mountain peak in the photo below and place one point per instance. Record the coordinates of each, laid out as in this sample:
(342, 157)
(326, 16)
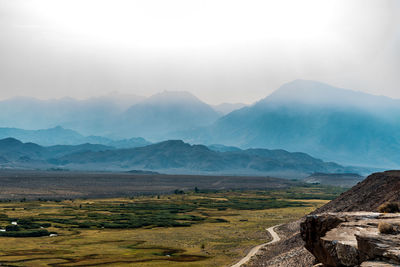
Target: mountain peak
(316, 93)
(308, 91)
(6, 142)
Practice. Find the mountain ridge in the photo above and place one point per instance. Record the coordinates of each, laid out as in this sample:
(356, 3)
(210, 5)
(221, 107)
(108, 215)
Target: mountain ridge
(171, 156)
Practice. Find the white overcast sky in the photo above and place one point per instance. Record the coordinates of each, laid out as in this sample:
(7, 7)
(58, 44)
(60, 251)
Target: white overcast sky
(219, 50)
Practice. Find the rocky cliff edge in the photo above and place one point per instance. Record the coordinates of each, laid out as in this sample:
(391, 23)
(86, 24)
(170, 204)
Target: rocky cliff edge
(353, 238)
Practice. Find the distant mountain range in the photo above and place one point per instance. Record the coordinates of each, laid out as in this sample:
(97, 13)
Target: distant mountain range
(115, 116)
(334, 124)
(173, 156)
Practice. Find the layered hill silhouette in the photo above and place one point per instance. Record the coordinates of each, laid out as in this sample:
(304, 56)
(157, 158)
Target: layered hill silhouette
(172, 156)
(330, 123)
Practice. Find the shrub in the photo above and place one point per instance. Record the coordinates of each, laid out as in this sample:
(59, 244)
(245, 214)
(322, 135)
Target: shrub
(385, 228)
(220, 220)
(31, 233)
(12, 228)
(389, 207)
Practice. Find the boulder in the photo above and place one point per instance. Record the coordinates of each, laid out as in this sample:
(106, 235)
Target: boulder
(351, 239)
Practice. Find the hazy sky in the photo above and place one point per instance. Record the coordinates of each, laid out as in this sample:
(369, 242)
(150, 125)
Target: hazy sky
(220, 50)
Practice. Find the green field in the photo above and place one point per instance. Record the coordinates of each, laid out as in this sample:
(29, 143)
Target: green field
(195, 228)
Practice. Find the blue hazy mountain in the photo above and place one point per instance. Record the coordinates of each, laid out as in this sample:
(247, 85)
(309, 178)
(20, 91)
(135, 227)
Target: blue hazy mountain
(116, 116)
(334, 124)
(90, 117)
(60, 136)
(162, 114)
(345, 126)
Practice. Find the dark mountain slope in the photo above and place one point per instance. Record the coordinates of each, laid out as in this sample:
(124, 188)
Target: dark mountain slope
(181, 157)
(13, 149)
(172, 156)
(367, 195)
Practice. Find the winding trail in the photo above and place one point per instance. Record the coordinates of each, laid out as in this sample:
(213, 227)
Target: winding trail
(253, 251)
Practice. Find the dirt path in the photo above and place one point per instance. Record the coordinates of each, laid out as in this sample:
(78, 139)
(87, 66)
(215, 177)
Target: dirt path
(253, 251)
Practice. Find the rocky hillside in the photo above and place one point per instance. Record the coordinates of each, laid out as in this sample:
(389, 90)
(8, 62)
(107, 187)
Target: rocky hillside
(342, 239)
(367, 195)
(363, 237)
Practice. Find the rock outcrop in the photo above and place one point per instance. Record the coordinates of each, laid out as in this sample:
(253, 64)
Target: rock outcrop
(352, 239)
(336, 238)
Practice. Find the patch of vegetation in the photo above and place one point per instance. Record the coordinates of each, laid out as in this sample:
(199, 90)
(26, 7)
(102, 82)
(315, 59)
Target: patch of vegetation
(27, 233)
(310, 191)
(182, 210)
(389, 207)
(386, 228)
(193, 227)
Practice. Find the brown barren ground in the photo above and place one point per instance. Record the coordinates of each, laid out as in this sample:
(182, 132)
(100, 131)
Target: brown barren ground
(18, 184)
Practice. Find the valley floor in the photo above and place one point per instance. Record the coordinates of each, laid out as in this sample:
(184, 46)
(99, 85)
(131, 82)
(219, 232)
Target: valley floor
(185, 228)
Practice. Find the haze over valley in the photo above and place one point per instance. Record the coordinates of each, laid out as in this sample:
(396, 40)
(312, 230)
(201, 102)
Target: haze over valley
(193, 133)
